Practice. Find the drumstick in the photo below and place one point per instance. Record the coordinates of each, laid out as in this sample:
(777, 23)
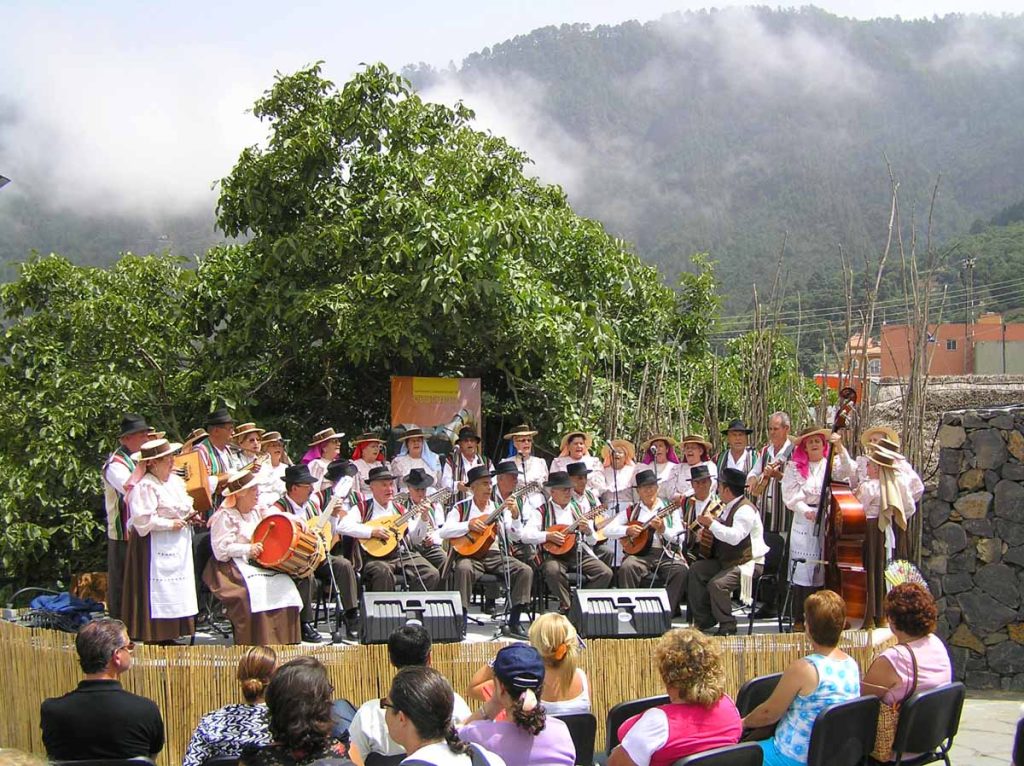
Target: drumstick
(266, 533)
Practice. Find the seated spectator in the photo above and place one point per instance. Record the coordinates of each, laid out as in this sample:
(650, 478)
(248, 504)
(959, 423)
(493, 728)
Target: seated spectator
(299, 703)
(99, 719)
(418, 711)
(700, 715)
(409, 646)
(566, 687)
(223, 733)
(527, 735)
(824, 677)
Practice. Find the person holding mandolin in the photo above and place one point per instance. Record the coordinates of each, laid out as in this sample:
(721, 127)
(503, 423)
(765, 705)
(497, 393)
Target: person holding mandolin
(648, 528)
(417, 482)
(477, 543)
(567, 534)
(733, 547)
(702, 501)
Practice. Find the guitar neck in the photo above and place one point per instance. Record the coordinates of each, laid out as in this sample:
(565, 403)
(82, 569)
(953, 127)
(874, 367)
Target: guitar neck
(674, 505)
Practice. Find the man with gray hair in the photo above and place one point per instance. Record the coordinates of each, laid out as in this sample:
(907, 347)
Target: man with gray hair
(100, 719)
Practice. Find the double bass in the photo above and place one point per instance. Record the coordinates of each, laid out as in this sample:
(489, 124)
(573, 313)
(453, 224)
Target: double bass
(843, 524)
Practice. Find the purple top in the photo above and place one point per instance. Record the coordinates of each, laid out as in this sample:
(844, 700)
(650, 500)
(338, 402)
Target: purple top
(552, 747)
(933, 666)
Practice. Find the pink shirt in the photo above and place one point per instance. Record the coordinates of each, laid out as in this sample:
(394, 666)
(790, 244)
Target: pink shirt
(664, 734)
(933, 666)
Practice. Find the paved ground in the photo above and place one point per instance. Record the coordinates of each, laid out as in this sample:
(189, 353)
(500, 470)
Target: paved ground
(987, 728)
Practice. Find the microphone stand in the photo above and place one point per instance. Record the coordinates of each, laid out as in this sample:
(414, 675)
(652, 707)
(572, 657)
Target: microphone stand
(505, 550)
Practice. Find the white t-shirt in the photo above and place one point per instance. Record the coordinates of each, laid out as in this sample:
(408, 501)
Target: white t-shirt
(369, 733)
(440, 754)
(648, 736)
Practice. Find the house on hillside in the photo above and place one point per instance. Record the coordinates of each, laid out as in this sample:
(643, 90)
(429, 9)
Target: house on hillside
(986, 347)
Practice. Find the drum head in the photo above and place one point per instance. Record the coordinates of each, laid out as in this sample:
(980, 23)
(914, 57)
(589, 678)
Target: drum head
(276, 531)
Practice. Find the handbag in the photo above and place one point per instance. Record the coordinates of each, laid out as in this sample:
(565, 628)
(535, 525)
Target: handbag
(889, 718)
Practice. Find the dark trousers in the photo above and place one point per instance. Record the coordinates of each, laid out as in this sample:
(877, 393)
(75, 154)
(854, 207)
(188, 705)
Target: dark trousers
(416, 571)
(344, 574)
(435, 554)
(202, 552)
(637, 572)
(710, 590)
(797, 596)
(596, 574)
(117, 552)
(466, 571)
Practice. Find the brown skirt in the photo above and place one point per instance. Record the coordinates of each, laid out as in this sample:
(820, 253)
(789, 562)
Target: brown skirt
(273, 627)
(135, 607)
(874, 565)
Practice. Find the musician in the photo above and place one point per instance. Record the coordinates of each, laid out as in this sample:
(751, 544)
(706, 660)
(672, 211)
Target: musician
(367, 453)
(197, 434)
(217, 451)
(659, 454)
(575, 448)
(271, 473)
(890, 441)
(470, 516)
(562, 509)
(339, 479)
(325, 447)
(738, 453)
(642, 569)
(414, 453)
(417, 482)
(696, 451)
(506, 477)
(619, 467)
(737, 552)
(263, 606)
(379, 573)
(703, 500)
(802, 482)
(769, 464)
(465, 456)
(116, 471)
(246, 438)
(531, 468)
(159, 598)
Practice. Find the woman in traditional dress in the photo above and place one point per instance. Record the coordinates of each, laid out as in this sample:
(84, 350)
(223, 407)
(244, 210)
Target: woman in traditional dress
(263, 606)
(801, 490)
(324, 448)
(367, 453)
(247, 439)
(659, 452)
(897, 539)
(414, 453)
(575, 448)
(619, 466)
(696, 451)
(159, 601)
(271, 472)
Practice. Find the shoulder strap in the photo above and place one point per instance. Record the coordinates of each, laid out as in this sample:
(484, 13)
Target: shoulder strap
(913, 686)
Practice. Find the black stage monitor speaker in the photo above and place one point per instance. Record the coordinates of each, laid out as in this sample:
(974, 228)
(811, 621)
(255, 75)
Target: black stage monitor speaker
(617, 613)
(440, 612)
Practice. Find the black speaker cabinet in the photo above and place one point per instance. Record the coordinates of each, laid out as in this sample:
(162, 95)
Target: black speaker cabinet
(440, 612)
(621, 613)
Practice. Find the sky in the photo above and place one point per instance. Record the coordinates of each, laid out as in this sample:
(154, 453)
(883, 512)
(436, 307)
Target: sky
(134, 106)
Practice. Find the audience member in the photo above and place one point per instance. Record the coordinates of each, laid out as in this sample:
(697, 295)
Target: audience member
(223, 733)
(824, 677)
(299, 702)
(700, 715)
(527, 735)
(409, 646)
(418, 711)
(99, 719)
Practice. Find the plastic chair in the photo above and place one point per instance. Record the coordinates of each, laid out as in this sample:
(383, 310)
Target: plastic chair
(928, 722)
(583, 730)
(755, 691)
(743, 754)
(844, 733)
(773, 562)
(624, 710)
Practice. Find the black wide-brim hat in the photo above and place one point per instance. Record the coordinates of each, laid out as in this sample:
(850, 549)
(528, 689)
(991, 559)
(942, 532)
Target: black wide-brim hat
(298, 474)
(417, 478)
(467, 432)
(579, 468)
(645, 478)
(699, 471)
(220, 417)
(380, 473)
(733, 479)
(133, 424)
(737, 425)
(476, 473)
(338, 468)
(506, 468)
(558, 480)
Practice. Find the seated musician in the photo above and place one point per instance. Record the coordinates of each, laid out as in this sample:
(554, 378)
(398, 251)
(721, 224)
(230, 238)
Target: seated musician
(531, 467)
(737, 549)
(506, 477)
(263, 607)
(642, 568)
(298, 503)
(339, 480)
(466, 456)
(702, 501)
(562, 509)
(575, 448)
(470, 517)
(417, 482)
(380, 573)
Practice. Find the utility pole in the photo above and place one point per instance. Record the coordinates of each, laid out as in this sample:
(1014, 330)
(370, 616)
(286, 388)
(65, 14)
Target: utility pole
(967, 274)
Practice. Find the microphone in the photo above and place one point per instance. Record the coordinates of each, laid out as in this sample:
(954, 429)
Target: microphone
(653, 450)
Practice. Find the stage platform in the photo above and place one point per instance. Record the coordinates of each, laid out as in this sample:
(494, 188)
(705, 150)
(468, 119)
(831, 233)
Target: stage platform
(189, 681)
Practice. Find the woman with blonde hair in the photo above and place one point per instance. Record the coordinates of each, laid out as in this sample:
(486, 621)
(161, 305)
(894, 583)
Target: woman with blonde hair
(223, 733)
(699, 716)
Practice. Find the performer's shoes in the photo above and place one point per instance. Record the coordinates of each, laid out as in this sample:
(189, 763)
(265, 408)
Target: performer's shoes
(310, 635)
(726, 630)
(798, 627)
(515, 630)
(352, 626)
(765, 611)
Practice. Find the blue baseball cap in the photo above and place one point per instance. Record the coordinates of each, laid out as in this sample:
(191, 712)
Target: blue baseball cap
(519, 666)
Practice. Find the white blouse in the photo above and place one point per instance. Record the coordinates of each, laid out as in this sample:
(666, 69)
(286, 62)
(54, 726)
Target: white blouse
(155, 505)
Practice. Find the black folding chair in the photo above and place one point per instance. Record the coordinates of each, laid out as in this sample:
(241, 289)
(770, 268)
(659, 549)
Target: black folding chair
(928, 722)
(140, 760)
(1018, 745)
(773, 562)
(619, 713)
(844, 733)
(755, 691)
(221, 761)
(743, 754)
(379, 759)
(583, 730)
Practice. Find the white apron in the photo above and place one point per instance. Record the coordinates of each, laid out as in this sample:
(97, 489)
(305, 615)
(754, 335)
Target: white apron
(267, 590)
(172, 586)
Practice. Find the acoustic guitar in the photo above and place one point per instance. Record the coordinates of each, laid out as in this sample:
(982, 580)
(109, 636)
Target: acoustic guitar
(640, 544)
(476, 544)
(397, 525)
(569, 530)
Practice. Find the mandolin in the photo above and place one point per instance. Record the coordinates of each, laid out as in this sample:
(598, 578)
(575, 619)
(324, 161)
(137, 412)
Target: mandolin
(640, 544)
(397, 525)
(569, 530)
(476, 544)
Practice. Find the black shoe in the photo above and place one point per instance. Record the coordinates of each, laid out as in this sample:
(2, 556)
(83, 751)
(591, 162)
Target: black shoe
(310, 635)
(726, 630)
(352, 627)
(489, 605)
(765, 612)
(515, 630)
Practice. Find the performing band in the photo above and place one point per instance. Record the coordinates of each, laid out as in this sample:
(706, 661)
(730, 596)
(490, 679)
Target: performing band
(227, 509)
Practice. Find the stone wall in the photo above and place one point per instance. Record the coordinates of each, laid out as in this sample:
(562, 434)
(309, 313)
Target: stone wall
(973, 544)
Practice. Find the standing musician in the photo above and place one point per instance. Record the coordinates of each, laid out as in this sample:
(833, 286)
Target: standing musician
(887, 438)
(506, 477)
(530, 467)
(575, 448)
(767, 473)
(469, 516)
(367, 453)
(802, 483)
(702, 501)
(562, 509)
(159, 599)
(263, 606)
(271, 473)
(696, 451)
(738, 453)
(659, 453)
(417, 482)
(379, 573)
(414, 454)
(325, 447)
(246, 438)
(737, 552)
(457, 465)
(619, 466)
(642, 568)
(116, 471)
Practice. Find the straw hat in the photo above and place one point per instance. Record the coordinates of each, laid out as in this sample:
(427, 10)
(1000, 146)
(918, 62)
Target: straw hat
(326, 435)
(154, 449)
(246, 428)
(239, 481)
(192, 438)
(883, 457)
(824, 433)
(412, 433)
(697, 439)
(888, 433)
(269, 437)
(369, 436)
(154, 434)
(658, 438)
(618, 444)
(520, 430)
(588, 440)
